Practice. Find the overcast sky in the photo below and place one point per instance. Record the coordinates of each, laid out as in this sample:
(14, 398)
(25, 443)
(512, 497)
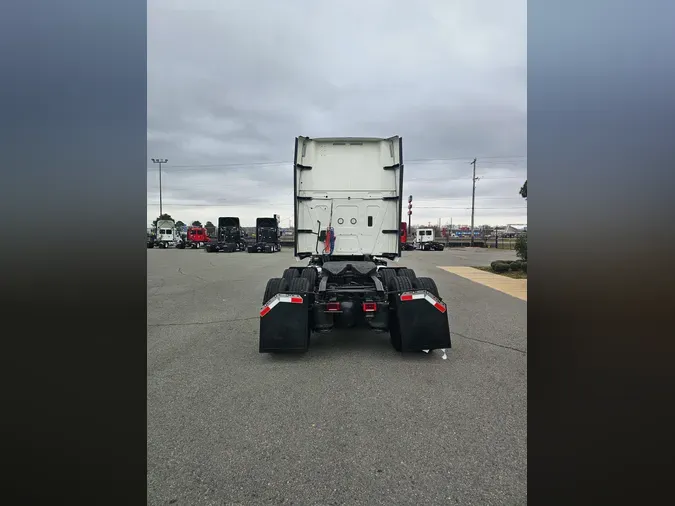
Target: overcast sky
(231, 84)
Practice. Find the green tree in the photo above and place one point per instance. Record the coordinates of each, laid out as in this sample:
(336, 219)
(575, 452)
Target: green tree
(180, 224)
(197, 223)
(523, 190)
(521, 247)
(210, 228)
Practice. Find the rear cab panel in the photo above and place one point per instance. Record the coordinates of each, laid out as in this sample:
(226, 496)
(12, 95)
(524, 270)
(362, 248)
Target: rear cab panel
(166, 230)
(353, 185)
(266, 230)
(425, 235)
(229, 229)
(197, 234)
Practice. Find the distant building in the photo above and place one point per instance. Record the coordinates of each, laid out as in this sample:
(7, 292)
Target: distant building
(511, 230)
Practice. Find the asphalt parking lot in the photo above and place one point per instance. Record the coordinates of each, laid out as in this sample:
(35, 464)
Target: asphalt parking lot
(350, 422)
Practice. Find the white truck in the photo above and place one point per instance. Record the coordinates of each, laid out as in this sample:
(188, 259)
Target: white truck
(166, 235)
(425, 240)
(347, 208)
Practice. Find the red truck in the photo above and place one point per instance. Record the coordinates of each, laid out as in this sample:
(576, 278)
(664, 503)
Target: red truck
(197, 237)
(405, 246)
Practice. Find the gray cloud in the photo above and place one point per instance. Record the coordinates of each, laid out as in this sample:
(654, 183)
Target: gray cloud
(230, 84)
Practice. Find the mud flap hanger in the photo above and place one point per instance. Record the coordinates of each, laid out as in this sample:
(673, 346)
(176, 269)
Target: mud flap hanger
(423, 294)
(280, 298)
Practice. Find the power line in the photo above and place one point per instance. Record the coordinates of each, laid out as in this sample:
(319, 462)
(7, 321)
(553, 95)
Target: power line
(435, 179)
(282, 162)
(262, 203)
(266, 204)
(413, 160)
(440, 178)
(469, 208)
(487, 197)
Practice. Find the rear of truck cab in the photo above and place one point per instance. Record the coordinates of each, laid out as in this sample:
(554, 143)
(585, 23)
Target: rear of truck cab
(347, 210)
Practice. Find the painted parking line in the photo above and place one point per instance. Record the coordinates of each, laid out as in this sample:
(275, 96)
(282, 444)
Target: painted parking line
(514, 287)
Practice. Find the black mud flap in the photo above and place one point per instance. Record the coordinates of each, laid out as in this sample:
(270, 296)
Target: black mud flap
(284, 324)
(422, 319)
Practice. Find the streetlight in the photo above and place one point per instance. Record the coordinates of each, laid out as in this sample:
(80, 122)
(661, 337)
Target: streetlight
(160, 161)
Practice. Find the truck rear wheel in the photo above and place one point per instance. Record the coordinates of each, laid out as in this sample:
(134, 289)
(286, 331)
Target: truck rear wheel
(397, 284)
(274, 287)
(386, 275)
(289, 274)
(407, 273)
(400, 284)
(299, 286)
(310, 275)
(427, 284)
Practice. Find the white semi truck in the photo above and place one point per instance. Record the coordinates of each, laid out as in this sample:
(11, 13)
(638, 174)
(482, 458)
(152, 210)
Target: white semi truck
(347, 208)
(425, 240)
(166, 235)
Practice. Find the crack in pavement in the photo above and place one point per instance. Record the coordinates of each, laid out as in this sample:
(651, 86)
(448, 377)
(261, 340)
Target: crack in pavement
(180, 270)
(185, 324)
(490, 343)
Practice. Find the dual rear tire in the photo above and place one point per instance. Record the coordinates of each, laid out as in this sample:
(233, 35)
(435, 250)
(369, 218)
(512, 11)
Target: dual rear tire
(297, 285)
(405, 283)
(295, 281)
(388, 274)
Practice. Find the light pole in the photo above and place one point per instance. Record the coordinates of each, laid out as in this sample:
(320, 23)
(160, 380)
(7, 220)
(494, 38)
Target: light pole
(160, 161)
(473, 197)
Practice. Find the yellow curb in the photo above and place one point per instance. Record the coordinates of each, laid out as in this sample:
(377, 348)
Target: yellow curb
(514, 287)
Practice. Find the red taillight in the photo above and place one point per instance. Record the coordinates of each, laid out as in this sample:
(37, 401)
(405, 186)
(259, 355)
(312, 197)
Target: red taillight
(333, 306)
(369, 307)
(440, 307)
(406, 296)
(264, 311)
(296, 300)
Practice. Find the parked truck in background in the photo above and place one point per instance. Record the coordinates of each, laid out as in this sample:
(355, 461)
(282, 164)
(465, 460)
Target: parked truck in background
(166, 235)
(347, 209)
(405, 245)
(266, 236)
(229, 236)
(151, 237)
(425, 240)
(197, 237)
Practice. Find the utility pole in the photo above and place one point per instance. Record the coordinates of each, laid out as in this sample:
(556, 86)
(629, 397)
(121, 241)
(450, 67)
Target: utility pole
(160, 161)
(473, 199)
